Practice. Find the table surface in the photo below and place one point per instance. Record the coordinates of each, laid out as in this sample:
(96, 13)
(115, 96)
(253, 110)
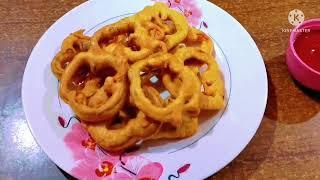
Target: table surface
(286, 146)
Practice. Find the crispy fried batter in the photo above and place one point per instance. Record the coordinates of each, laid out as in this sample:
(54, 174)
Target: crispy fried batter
(212, 97)
(109, 79)
(143, 34)
(188, 92)
(74, 44)
(95, 86)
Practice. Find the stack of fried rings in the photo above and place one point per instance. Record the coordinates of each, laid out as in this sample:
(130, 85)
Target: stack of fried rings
(109, 79)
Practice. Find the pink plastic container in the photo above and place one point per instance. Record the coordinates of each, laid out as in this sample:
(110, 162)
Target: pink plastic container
(303, 73)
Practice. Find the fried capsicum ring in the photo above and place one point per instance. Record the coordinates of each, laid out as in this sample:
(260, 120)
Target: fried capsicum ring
(137, 37)
(159, 14)
(212, 97)
(119, 39)
(187, 94)
(95, 85)
(71, 46)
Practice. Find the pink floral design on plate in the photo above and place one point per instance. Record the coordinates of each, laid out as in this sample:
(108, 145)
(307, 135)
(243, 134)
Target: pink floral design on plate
(94, 167)
(79, 141)
(92, 163)
(189, 8)
(139, 168)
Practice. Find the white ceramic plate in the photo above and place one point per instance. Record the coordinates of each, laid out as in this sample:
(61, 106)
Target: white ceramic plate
(221, 136)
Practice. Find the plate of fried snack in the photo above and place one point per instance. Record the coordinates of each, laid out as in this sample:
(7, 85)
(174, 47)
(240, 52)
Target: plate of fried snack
(161, 89)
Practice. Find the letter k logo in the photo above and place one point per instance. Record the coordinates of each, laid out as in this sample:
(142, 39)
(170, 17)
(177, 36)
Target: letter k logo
(295, 17)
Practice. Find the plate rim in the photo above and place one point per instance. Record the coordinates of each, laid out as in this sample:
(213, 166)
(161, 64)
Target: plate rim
(266, 88)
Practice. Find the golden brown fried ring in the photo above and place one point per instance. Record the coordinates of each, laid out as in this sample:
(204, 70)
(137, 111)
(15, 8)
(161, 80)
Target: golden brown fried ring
(127, 135)
(138, 37)
(71, 46)
(119, 35)
(212, 98)
(129, 38)
(188, 92)
(160, 13)
(95, 86)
